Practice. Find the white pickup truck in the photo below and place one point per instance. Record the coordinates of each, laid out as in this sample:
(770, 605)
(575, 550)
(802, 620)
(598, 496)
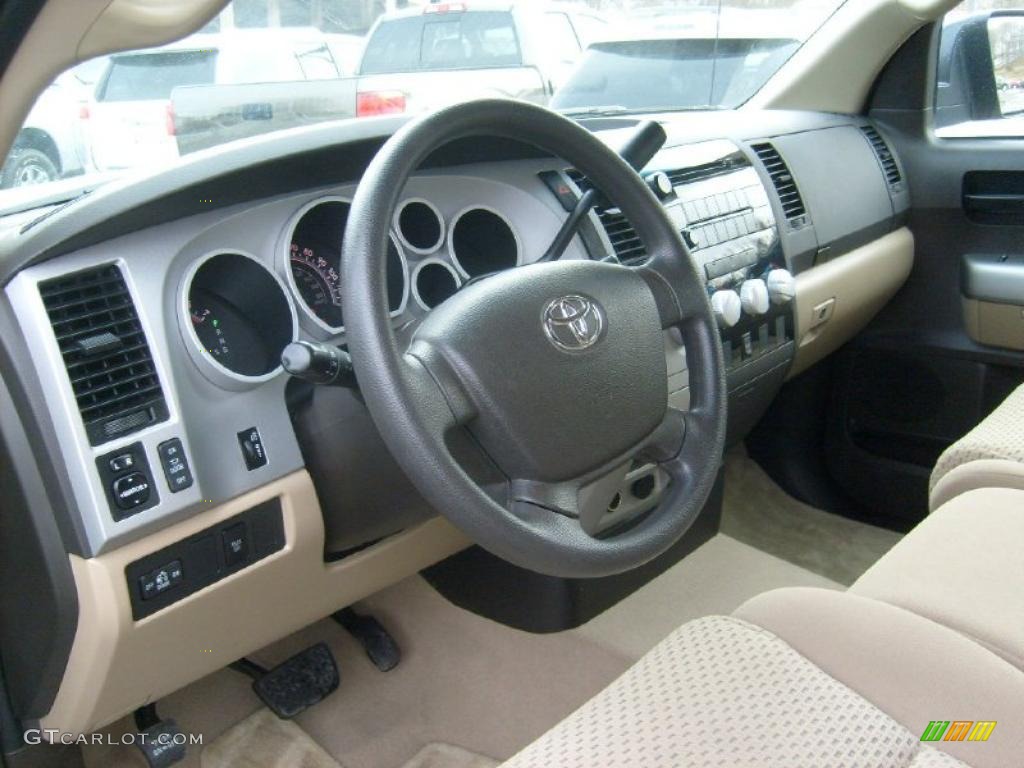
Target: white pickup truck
(424, 58)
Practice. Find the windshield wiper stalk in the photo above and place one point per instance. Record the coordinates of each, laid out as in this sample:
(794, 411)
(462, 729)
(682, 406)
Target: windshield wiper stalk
(637, 151)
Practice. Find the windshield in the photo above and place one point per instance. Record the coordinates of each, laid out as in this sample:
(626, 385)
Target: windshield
(268, 65)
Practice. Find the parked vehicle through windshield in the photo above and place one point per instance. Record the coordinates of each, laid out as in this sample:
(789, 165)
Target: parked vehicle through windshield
(267, 65)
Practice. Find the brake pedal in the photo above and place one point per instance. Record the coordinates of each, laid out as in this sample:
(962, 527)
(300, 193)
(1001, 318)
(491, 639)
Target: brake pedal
(378, 643)
(296, 684)
(161, 742)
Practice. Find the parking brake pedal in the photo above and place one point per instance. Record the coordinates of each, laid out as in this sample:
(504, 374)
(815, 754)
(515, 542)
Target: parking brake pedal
(161, 742)
(379, 645)
(295, 684)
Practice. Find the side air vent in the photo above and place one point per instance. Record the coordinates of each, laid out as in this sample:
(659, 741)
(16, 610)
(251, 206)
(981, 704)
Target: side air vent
(789, 196)
(105, 352)
(624, 239)
(889, 167)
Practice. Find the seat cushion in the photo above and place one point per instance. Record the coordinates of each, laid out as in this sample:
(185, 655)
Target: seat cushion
(910, 667)
(991, 454)
(721, 691)
(963, 567)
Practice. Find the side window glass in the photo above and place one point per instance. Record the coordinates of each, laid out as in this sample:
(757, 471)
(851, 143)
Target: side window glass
(979, 89)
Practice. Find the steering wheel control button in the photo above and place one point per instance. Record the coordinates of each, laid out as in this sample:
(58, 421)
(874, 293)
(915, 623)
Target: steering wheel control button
(252, 448)
(160, 580)
(236, 545)
(128, 481)
(573, 323)
(175, 465)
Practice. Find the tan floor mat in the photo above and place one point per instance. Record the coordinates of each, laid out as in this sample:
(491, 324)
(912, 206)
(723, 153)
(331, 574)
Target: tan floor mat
(448, 756)
(759, 513)
(263, 740)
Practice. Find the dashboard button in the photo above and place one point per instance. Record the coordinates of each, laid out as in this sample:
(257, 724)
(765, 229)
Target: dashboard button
(122, 462)
(252, 448)
(131, 490)
(158, 581)
(236, 544)
(175, 465)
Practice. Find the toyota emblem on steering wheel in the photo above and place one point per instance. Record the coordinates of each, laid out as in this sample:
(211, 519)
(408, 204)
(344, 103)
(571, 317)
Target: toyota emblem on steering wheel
(573, 323)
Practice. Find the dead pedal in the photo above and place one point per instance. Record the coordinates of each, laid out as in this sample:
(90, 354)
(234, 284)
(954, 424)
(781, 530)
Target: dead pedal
(296, 684)
(378, 643)
(161, 742)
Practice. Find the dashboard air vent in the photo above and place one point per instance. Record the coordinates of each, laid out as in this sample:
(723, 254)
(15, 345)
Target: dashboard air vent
(720, 167)
(884, 155)
(624, 239)
(789, 196)
(105, 352)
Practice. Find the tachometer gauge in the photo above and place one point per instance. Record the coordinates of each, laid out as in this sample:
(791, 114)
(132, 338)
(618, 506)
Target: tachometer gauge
(315, 271)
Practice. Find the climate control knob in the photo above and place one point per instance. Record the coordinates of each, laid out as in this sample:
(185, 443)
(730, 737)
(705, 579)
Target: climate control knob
(727, 308)
(781, 286)
(754, 297)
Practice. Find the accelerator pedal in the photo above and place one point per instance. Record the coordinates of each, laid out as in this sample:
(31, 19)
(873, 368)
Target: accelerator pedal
(379, 645)
(307, 678)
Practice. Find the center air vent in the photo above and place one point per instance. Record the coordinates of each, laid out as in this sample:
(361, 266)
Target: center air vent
(789, 196)
(624, 239)
(892, 171)
(105, 352)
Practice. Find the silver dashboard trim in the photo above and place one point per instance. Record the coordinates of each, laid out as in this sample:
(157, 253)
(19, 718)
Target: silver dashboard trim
(209, 367)
(416, 273)
(99, 529)
(313, 323)
(450, 240)
(442, 238)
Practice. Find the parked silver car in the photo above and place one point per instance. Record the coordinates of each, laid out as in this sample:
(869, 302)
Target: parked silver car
(51, 144)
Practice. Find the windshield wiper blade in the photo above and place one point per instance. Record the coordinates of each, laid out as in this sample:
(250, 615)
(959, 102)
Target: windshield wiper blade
(605, 111)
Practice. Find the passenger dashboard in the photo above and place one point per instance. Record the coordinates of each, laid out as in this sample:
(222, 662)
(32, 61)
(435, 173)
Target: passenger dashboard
(190, 478)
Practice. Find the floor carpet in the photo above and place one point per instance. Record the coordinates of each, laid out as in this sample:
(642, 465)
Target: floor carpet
(263, 740)
(468, 681)
(758, 512)
(447, 756)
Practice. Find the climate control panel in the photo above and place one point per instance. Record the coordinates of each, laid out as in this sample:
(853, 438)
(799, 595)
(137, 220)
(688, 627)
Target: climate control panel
(725, 216)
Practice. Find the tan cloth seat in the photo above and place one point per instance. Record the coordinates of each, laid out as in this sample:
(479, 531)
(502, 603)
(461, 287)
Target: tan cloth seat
(989, 456)
(963, 567)
(798, 677)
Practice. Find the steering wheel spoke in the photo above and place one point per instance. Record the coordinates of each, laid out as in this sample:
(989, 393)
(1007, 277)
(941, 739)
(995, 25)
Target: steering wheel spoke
(678, 291)
(584, 499)
(437, 389)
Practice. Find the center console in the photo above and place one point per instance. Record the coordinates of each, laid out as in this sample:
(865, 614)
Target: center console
(714, 194)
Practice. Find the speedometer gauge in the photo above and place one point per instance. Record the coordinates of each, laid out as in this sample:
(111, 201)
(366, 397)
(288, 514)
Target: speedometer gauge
(315, 271)
(314, 265)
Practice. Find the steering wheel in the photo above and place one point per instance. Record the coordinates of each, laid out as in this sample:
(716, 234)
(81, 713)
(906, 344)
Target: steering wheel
(522, 401)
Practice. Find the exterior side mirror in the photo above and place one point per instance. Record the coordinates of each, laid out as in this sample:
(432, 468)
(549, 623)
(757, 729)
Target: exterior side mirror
(977, 77)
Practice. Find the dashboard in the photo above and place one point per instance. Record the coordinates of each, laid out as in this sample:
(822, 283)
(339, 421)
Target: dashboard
(145, 322)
